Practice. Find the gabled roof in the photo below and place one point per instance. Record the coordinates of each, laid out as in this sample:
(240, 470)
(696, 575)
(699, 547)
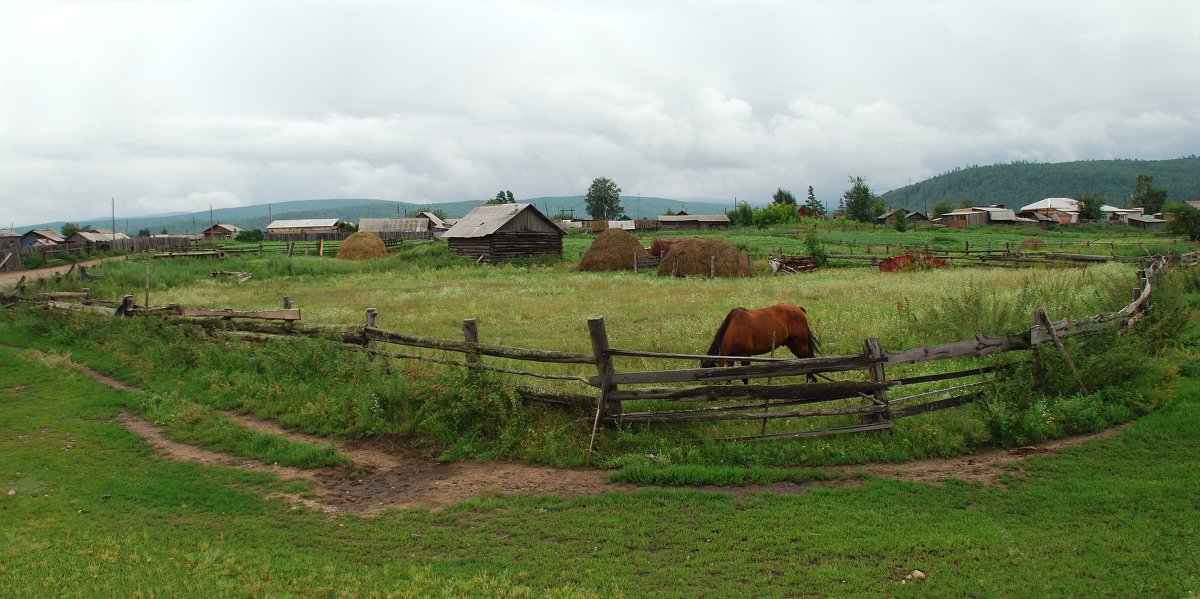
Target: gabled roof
(305, 223)
(224, 227)
(433, 218)
(94, 237)
(393, 225)
(486, 219)
(1064, 204)
(688, 218)
(50, 234)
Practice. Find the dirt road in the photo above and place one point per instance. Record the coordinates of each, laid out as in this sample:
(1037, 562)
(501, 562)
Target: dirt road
(10, 278)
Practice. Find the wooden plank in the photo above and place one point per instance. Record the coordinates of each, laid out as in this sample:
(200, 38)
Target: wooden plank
(472, 366)
(57, 295)
(729, 373)
(929, 378)
(934, 393)
(604, 369)
(654, 414)
(858, 428)
(809, 391)
(293, 314)
(757, 415)
(566, 399)
(695, 357)
(941, 404)
(499, 351)
(982, 345)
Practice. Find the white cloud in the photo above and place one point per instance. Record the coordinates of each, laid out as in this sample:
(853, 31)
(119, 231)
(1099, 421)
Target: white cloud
(171, 106)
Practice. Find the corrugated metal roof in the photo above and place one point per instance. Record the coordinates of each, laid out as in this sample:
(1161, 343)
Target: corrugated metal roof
(225, 227)
(1064, 204)
(489, 218)
(1146, 219)
(48, 234)
(393, 225)
(305, 223)
(95, 237)
(704, 218)
(433, 218)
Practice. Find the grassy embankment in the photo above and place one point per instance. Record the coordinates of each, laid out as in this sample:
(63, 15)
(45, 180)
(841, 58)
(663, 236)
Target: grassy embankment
(420, 289)
(93, 513)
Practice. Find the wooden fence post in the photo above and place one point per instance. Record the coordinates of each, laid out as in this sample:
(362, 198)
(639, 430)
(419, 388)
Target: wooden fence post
(471, 335)
(712, 266)
(321, 247)
(147, 304)
(287, 302)
(872, 348)
(1039, 317)
(604, 369)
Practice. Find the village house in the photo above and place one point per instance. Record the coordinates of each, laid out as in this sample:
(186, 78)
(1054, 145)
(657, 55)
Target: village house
(398, 228)
(495, 233)
(41, 237)
(692, 222)
(221, 230)
(889, 217)
(307, 228)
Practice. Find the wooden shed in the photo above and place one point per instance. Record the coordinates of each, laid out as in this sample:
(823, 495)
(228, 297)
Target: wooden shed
(307, 225)
(495, 233)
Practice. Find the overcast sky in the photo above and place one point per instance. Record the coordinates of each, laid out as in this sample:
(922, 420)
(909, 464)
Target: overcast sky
(176, 105)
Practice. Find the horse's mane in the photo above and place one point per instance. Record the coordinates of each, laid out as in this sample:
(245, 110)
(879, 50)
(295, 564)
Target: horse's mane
(716, 343)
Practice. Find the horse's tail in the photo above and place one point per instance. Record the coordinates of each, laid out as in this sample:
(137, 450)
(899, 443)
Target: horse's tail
(715, 348)
(813, 345)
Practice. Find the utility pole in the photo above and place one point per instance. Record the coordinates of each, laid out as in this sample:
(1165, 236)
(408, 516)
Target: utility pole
(114, 223)
(210, 218)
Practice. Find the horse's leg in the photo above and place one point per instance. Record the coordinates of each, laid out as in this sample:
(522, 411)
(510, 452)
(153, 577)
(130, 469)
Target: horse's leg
(745, 363)
(800, 349)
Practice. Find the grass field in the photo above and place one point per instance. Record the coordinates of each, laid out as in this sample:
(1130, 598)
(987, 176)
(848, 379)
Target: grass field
(93, 513)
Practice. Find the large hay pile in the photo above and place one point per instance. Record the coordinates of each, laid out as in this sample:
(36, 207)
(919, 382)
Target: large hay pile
(613, 249)
(361, 246)
(691, 257)
(1033, 243)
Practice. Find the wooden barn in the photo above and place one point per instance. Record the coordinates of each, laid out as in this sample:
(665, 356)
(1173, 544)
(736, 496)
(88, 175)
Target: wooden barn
(889, 217)
(307, 225)
(692, 222)
(495, 233)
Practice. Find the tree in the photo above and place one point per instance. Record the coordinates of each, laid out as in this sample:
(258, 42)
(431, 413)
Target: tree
(783, 196)
(164, 231)
(1186, 220)
(901, 217)
(250, 235)
(942, 207)
(1144, 195)
(1089, 206)
(742, 215)
(965, 203)
(861, 204)
(604, 199)
(503, 197)
(144, 232)
(69, 229)
(840, 212)
(814, 207)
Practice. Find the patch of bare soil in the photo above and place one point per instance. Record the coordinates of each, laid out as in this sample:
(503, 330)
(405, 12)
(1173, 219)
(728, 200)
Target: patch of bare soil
(11, 277)
(389, 472)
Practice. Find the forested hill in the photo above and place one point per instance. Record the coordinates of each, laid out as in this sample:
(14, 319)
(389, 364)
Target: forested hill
(1020, 183)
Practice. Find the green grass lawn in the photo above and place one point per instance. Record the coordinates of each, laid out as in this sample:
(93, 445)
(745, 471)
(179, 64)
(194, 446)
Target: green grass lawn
(94, 513)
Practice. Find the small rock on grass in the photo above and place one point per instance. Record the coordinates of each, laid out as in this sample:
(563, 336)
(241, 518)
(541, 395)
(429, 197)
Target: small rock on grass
(11, 492)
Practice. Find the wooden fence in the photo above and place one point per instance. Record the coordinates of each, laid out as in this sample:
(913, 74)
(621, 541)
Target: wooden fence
(17, 258)
(692, 394)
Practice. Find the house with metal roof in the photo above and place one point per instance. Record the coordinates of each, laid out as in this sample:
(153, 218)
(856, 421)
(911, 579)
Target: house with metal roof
(305, 228)
(1063, 211)
(890, 216)
(95, 237)
(41, 237)
(495, 233)
(222, 230)
(692, 222)
(397, 228)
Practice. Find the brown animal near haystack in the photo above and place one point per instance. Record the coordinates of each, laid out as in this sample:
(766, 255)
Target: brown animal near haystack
(361, 246)
(910, 262)
(614, 249)
(703, 258)
(660, 246)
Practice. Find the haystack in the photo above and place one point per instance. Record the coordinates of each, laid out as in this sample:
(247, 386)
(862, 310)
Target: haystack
(1033, 243)
(361, 246)
(613, 249)
(702, 257)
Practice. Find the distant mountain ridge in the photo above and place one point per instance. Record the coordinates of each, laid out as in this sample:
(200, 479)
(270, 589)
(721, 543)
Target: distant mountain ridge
(1020, 183)
(259, 215)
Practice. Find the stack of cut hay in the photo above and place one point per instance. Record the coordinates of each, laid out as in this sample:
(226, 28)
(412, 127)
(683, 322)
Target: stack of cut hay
(704, 257)
(614, 249)
(361, 246)
(1033, 243)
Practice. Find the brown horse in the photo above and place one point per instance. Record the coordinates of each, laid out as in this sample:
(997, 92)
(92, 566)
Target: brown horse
(752, 332)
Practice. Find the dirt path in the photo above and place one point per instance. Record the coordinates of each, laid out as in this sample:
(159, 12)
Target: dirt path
(388, 472)
(10, 278)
